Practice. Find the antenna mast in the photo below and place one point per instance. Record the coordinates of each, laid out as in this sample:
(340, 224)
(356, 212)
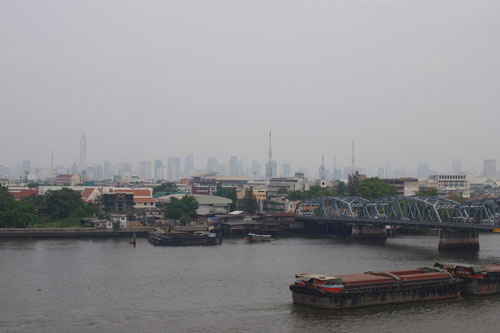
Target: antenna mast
(353, 171)
(270, 150)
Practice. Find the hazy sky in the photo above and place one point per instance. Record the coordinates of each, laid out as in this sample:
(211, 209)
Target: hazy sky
(409, 81)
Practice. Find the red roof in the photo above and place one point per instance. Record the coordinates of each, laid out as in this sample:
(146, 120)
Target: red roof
(25, 194)
(86, 193)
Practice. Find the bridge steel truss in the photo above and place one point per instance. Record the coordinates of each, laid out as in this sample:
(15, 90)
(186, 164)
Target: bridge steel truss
(435, 210)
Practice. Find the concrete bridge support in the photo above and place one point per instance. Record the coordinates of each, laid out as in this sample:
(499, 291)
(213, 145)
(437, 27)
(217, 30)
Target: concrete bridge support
(458, 240)
(368, 231)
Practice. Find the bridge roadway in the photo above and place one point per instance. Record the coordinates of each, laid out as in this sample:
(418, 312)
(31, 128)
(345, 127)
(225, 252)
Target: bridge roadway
(407, 223)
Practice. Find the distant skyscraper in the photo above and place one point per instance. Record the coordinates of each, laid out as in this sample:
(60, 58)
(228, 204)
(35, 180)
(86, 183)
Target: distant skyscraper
(337, 174)
(255, 170)
(158, 169)
(271, 170)
(173, 168)
(188, 165)
(233, 166)
(144, 169)
(270, 165)
(456, 166)
(490, 168)
(321, 169)
(381, 173)
(108, 170)
(26, 166)
(287, 172)
(83, 154)
(422, 170)
(212, 164)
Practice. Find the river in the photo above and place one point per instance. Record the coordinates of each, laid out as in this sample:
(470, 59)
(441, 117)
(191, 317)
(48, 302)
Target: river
(107, 285)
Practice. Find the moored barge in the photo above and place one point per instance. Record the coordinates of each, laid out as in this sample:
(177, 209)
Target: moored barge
(477, 279)
(374, 288)
(174, 238)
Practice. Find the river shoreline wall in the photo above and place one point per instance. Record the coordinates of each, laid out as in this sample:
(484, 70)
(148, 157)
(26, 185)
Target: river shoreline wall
(71, 232)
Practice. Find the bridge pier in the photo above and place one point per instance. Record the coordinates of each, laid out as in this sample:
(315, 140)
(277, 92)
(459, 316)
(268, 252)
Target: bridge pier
(368, 231)
(458, 240)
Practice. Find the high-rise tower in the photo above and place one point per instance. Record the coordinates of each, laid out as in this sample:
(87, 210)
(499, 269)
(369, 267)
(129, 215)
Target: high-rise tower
(83, 154)
(270, 165)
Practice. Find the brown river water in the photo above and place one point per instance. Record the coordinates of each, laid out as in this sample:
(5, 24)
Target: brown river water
(97, 285)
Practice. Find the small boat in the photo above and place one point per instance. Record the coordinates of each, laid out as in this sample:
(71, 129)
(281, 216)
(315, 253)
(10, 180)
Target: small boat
(258, 238)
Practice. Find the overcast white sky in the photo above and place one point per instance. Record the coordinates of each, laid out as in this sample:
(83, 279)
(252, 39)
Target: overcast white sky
(409, 81)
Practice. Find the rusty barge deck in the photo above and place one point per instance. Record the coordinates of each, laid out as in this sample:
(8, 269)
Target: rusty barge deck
(374, 288)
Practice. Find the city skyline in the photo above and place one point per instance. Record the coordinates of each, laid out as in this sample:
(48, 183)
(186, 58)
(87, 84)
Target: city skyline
(402, 100)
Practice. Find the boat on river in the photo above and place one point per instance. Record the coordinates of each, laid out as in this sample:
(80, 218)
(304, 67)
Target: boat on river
(258, 238)
(374, 288)
(159, 237)
(477, 279)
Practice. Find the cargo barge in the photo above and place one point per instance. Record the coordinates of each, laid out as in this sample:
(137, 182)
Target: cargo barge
(374, 288)
(174, 238)
(477, 279)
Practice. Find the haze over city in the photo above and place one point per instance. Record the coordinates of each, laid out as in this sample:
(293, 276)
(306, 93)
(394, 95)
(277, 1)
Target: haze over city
(408, 83)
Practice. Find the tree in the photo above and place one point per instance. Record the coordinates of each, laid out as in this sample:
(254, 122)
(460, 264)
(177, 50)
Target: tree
(373, 188)
(167, 187)
(229, 193)
(456, 197)
(179, 207)
(431, 192)
(341, 189)
(282, 190)
(64, 203)
(353, 184)
(14, 214)
(250, 203)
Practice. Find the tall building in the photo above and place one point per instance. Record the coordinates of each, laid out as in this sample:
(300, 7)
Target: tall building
(271, 170)
(212, 164)
(144, 169)
(26, 166)
(270, 165)
(287, 172)
(456, 166)
(108, 170)
(423, 170)
(173, 168)
(83, 154)
(321, 169)
(490, 168)
(158, 169)
(255, 170)
(188, 165)
(337, 174)
(233, 166)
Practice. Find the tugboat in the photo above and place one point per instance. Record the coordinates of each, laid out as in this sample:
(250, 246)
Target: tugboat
(160, 237)
(258, 238)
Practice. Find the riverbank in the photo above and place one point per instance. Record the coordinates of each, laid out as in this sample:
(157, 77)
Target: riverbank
(71, 232)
